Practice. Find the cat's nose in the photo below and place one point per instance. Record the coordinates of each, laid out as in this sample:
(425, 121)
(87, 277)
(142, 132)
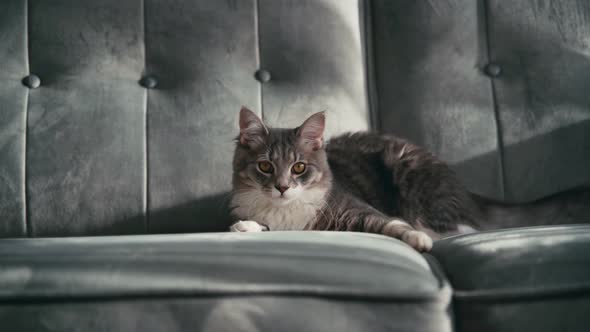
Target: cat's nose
(282, 189)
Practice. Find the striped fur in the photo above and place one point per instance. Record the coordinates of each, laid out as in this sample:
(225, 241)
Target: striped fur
(373, 183)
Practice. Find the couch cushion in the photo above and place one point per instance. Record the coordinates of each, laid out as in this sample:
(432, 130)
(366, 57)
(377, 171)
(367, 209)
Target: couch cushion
(276, 281)
(527, 279)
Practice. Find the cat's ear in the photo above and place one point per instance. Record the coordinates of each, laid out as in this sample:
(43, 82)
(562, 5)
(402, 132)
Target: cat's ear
(311, 132)
(252, 130)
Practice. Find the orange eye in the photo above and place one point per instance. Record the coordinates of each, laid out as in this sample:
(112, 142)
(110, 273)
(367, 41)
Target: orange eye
(298, 168)
(265, 167)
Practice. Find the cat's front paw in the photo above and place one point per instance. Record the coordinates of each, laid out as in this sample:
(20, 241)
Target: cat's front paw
(418, 240)
(247, 226)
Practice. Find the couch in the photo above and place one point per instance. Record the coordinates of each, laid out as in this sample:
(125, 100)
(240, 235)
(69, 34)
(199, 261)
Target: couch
(117, 121)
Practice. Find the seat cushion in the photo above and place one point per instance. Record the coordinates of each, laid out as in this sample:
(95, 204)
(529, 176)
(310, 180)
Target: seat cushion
(525, 279)
(272, 281)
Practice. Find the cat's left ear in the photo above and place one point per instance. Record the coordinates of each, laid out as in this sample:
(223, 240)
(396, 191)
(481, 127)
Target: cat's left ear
(311, 132)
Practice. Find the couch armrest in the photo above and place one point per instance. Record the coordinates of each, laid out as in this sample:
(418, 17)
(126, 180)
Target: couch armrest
(523, 279)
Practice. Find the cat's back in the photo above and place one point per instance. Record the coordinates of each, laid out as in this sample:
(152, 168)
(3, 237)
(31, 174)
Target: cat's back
(366, 146)
(357, 165)
(359, 142)
(387, 172)
(354, 151)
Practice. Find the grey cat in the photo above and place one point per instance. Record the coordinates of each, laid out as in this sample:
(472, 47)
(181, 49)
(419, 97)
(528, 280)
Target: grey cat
(290, 179)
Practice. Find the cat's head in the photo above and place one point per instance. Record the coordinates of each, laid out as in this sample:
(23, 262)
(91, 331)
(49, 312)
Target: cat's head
(281, 166)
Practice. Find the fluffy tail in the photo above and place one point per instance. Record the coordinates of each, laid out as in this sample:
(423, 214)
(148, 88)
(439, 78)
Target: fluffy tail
(568, 207)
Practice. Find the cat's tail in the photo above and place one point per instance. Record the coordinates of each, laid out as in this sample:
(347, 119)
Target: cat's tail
(568, 207)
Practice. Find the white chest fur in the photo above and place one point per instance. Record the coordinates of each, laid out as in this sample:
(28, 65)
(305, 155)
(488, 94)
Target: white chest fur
(294, 215)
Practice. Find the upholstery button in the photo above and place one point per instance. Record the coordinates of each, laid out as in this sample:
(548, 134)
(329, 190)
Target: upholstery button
(148, 82)
(493, 69)
(262, 76)
(32, 81)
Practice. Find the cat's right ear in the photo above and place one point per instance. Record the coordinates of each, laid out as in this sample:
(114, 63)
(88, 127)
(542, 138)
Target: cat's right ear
(311, 132)
(252, 130)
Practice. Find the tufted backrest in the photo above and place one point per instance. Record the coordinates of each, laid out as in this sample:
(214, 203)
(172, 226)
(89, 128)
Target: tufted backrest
(118, 117)
(499, 89)
(131, 128)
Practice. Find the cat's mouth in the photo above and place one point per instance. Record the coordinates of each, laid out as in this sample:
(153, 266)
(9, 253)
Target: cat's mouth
(282, 200)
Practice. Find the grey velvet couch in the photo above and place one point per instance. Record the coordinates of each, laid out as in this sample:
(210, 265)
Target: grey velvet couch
(116, 126)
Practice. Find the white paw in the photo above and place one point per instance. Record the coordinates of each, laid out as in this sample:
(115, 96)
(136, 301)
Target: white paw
(418, 240)
(247, 226)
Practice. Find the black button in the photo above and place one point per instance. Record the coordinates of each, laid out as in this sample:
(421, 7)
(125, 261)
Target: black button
(32, 81)
(262, 76)
(148, 82)
(493, 69)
